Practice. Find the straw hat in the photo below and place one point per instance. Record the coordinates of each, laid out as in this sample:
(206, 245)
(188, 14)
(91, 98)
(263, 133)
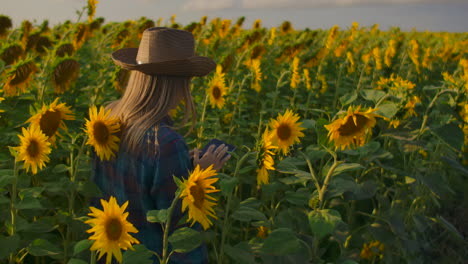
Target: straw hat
(164, 51)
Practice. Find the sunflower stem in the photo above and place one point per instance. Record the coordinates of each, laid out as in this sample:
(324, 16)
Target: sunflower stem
(13, 210)
(202, 121)
(226, 211)
(165, 255)
(323, 190)
(92, 259)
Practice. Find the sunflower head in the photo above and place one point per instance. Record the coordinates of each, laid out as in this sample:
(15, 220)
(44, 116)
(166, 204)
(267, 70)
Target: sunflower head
(91, 9)
(111, 230)
(216, 92)
(286, 130)
(65, 72)
(64, 49)
(11, 53)
(286, 27)
(80, 35)
(195, 196)
(19, 76)
(120, 78)
(143, 25)
(50, 118)
(102, 130)
(265, 155)
(34, 148)
(5, 24)
(352, 129)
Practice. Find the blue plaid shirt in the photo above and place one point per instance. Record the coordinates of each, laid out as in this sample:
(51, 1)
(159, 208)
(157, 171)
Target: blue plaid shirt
(145, 180)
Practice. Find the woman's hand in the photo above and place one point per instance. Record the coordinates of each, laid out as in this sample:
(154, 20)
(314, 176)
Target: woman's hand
(216, 156)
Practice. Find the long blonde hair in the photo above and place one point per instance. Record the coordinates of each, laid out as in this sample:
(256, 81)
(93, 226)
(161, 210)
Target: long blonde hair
(147, 101)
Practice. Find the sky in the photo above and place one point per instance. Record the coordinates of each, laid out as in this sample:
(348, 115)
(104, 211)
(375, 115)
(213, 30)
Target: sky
(421, 15)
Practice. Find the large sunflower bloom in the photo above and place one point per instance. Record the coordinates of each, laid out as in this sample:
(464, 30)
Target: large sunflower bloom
(111, 230)
(286, 130)
(195, 196)
(265, 158)
(352, 129)
(34, 148)
(50, 119)
(216, 92)
(101, 131)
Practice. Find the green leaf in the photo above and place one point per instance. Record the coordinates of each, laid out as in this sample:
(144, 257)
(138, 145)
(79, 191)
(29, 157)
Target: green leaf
(77, 261)
(240, 253)
(81, 246)
(29, 203)
(5, 179)
(447, 225)
(372, 95)
(345, 167)
(247, 214)
(41, 247)
(308, 123)
(348, 98)
(280, 242)
(8, 245)
(387, 109)
(157, 216)
(324, 222)
(60, 168)
(451, 134)
(140, 254)
(227, 184)
(185, 240)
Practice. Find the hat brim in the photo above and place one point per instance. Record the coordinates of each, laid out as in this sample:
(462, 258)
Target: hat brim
(192, 66)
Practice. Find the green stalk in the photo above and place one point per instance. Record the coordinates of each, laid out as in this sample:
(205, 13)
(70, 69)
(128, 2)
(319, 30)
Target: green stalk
(202, 120)
(226, 211)
(13, 210)
(327, 181)
(278, 84)
(165, 256)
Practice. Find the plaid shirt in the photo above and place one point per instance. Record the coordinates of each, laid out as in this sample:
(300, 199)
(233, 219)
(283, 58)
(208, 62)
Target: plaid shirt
(145, 180)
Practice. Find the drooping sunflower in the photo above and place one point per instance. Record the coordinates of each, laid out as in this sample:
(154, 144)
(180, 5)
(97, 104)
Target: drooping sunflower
(65, 72)
(195, 196)
(101, 130)
(295, 77)
(64, 49)
(111, 230)
(51, 118)
(91, 9)
(19, 77)
(5, 24)
(34, 148)
(286, 130)
(352, 130)
(80, 35)
(265, 160)
(11, 53)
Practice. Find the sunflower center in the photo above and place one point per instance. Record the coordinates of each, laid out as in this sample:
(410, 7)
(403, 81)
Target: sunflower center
(113, 229)
(283, 132)
(350, 127)
(216, 92)
(101, 132)
(33, 148)
(198, 195)
(50, 122)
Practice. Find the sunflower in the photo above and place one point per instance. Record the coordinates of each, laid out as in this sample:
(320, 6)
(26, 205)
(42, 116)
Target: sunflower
(352, 129)
(11, 53)
(101, 131)
(286, 130)
(195, 196)
(265, 158)
(19, 77)
(372, 250)
(111, 230)
(34, 148)
(217, 90)
(91, 9)
(5, 24)
(50, 119)
(64, 49)
(295, 77)
(80, 35)
(64, 74)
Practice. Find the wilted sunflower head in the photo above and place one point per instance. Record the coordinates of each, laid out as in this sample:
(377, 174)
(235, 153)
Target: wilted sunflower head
(195, 196)
(257, 52)
(5, 24)
(50, 118)
(352, 130)
(102, 132)
(286, 130)
(11, 53)
(19, 76)
(34, 148)
(64, 49)
(111, 230)
(286, 27)
(64, 74)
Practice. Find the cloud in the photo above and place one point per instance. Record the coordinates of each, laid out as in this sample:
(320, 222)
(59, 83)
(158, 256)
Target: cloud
(202, 5)
(252, 4)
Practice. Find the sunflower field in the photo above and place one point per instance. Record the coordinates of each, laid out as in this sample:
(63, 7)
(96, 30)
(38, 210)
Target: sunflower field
(351, 144)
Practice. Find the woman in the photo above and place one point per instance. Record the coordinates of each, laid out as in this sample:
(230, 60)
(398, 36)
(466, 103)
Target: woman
(150, 151)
